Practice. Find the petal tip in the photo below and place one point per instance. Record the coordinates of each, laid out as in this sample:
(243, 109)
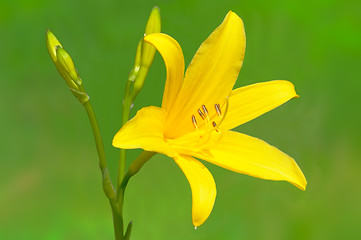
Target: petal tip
(300, 181)
(233, 15)
(230, 12)
(287, 86)
(304, 185)
(301, 186)
(198, 222)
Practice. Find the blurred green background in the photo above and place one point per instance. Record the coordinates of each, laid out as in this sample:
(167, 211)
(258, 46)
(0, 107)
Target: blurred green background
(50, 184)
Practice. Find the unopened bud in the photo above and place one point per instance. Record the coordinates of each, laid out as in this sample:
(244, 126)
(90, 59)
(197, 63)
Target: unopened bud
(62, 61)
(137, 63)
(67, 64)
(51, 43)
(145, 53)
(153, 26)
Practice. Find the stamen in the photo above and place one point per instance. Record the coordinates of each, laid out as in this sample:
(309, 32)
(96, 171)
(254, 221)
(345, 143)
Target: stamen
(205, 110)
(218, 109)
(201, 114)
(215, 126)
(207, 126)
(194, 121)
(225, 111)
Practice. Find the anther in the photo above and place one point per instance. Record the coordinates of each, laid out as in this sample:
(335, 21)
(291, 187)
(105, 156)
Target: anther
(201, 114)
(205, 111)
(218, 109)
(215, 126)
(194, 121)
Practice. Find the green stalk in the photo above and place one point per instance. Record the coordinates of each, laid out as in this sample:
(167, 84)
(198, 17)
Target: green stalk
(117, 207)
(134, 168)
(117, 222)
(106, 181)
(107, 184)
(125, 117)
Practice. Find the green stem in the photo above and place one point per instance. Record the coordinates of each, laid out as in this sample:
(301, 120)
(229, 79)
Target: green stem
(131, 92)
(121, 168)
(117, 222)
(125, 117)
(117, 207)
(132, 88)
(134, 168)
(107, 184)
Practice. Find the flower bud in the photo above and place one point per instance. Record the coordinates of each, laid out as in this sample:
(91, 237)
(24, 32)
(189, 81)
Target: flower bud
(62, 61)
(145, 53)
(67, 64)
(51, 44)
(153, 26)
(137, 63)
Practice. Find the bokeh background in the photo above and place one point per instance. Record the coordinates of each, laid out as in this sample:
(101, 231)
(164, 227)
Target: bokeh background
(50, 184)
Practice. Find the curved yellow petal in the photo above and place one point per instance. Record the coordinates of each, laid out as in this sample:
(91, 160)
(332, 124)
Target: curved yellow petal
(174, 61)
(144, 131)
(248, 155)
(210, 76)
(202, 185)
(249, 102)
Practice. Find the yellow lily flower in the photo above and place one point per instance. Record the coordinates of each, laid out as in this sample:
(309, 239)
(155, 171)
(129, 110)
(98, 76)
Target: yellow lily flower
(199, 109)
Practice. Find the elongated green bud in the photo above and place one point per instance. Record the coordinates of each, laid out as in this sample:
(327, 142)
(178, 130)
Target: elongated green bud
(62, 60)
(145, 54)
(65, 66)
(52, 45)
(137, 64)
(153, 26)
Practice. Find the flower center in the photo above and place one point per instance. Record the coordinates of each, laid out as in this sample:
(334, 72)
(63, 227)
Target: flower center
(209, 122)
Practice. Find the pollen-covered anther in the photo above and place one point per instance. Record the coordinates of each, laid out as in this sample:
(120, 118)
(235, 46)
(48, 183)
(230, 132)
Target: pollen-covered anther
(214, 124)
(194, 121)
(205, 111)
(208, 123)
(201, 114)
(218, 109)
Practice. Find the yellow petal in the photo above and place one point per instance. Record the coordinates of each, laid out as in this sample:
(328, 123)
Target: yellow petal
(202, 185)
(248, 155)
(144, 131)
(211, 74)
(173, 58)
(249, 102)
